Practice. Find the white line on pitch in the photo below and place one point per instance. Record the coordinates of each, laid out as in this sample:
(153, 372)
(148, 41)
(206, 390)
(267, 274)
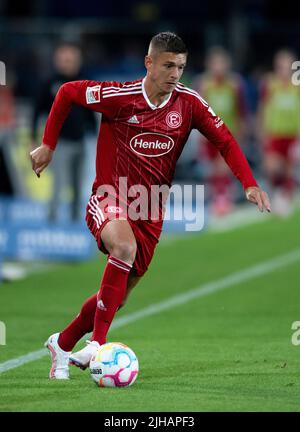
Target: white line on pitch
(179, 299)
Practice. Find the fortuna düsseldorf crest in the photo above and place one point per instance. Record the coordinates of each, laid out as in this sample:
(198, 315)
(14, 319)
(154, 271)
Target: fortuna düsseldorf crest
(173, 119)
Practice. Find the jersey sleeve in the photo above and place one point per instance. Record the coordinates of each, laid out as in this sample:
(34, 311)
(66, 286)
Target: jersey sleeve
(214, 129)
(88, 94)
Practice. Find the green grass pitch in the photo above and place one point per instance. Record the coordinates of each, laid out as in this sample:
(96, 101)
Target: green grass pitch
(227, 351)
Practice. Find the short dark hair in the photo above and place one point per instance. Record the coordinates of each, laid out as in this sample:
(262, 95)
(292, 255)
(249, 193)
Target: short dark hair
(168, 42)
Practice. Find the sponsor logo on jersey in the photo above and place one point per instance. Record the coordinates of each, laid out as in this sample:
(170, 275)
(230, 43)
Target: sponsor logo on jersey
(93, 94)
(133, 119)
(114, 209)
(151, 144)
(173, 119)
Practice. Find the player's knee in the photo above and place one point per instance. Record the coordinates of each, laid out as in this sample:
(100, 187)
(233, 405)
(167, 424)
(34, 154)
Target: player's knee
(125, 251)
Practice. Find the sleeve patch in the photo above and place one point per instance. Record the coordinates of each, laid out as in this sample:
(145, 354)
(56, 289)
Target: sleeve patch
(93, 94)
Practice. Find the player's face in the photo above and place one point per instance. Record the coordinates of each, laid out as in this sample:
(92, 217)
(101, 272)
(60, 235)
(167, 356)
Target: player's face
(165, 70)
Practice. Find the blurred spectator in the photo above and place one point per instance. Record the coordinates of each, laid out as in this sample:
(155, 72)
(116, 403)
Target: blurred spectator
(224, 91)
(278, 130)
(68, 163)
(8, 177)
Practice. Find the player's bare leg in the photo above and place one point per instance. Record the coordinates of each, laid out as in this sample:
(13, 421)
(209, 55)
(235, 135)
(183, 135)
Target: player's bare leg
(118, 238)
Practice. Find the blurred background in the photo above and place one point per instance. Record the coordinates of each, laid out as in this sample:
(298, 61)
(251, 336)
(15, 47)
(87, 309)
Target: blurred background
(240, 61)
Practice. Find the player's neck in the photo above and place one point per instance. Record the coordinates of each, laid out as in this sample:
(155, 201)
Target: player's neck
(155, 96)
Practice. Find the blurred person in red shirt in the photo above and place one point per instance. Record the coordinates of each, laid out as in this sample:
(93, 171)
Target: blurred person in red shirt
(278, 129)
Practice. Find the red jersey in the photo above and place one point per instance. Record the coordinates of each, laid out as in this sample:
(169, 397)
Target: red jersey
(138, 140)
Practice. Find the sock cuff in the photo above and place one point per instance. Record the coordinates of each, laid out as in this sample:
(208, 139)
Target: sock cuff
(119, 263)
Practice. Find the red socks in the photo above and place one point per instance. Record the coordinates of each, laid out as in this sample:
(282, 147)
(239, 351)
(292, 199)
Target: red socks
(99, 310)
(110, 296)
(82, 324)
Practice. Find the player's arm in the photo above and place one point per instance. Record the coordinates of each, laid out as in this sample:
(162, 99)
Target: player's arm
(83, 93)
(40, 158)
(213, 128)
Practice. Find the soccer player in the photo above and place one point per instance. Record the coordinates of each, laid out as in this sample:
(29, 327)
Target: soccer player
(279, 130)
(145, 125)
(225, 91)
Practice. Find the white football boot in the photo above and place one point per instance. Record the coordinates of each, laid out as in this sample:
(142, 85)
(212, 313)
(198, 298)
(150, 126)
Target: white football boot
(82, 358)
(60, 359)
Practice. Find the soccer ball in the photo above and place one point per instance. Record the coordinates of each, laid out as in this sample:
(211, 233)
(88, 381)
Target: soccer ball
(114, 365)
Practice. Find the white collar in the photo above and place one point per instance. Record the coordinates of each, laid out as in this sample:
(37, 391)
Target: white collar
(151, 105)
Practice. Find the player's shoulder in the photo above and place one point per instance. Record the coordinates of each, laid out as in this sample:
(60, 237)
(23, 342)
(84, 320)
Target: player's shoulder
(189, 94)
(123, 85)
(122, 93)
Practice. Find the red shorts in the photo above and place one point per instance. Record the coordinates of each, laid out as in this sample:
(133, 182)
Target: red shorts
(282, 146)
(146, 232)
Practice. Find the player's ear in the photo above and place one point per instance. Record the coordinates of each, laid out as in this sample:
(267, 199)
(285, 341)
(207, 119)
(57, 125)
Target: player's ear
(148, 62)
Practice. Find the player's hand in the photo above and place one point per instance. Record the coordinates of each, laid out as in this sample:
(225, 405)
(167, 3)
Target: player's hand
(33, 145)
(259, 197)
(40, 158)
